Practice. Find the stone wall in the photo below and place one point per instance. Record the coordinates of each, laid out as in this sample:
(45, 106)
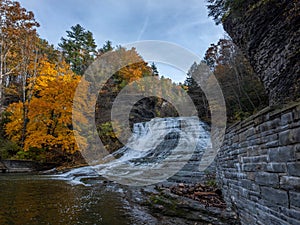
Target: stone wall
(268, 32)
(259, 167)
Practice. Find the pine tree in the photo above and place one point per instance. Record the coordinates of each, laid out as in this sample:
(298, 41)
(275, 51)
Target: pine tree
(154, 70)
(79, 48)
(106, 48)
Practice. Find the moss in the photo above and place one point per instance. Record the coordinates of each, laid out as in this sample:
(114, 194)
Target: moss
(166, 205)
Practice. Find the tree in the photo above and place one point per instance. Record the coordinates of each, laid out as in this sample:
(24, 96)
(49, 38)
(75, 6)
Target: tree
(106, 48)
(18, 55)
(243, 91)
(196, 94)
(154, 70)
(219, 9)
(17, 45)
(49, 112)
(79, 48)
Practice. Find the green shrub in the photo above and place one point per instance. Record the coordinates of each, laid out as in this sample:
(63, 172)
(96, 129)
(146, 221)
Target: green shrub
(35, 154)
(8, 149)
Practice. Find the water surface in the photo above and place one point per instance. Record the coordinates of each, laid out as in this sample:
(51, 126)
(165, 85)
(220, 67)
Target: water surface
(32, 199)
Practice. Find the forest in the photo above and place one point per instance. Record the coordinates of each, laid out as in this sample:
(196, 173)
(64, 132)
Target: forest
(38, 82)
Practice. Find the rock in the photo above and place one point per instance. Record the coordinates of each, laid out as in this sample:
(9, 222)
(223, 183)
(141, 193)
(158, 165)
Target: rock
(269, 36)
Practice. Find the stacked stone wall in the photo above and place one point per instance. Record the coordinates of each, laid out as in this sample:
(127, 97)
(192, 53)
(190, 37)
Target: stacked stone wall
(258, 167)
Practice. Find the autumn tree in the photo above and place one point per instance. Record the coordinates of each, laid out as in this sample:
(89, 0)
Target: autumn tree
(129, 75)
(243, 92)
(49, 112)
(18, 43)
(79, 48)
(18, 57)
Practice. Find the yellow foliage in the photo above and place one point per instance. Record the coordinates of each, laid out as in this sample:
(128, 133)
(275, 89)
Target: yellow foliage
(49, 111)
(14, 128)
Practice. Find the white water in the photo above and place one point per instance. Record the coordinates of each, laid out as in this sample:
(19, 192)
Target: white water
(156, 151)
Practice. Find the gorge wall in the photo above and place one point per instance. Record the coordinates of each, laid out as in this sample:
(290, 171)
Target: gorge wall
(258, 165)
(268, 33)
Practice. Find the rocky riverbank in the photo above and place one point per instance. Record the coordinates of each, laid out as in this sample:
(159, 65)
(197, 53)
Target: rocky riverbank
(163, 204)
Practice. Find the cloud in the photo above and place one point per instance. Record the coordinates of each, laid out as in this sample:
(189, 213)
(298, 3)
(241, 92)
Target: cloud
(183, 22)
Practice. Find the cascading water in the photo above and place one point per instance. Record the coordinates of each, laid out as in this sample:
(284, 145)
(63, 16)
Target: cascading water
(157, 150)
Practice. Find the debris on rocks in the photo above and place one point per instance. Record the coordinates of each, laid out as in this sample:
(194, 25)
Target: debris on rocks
(210, 196)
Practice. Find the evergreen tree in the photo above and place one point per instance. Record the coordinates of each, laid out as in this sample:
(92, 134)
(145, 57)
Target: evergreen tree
(154, 70)
(219, 9)
(196, 93)
(79, 48)
(106, 48)
(190, 82)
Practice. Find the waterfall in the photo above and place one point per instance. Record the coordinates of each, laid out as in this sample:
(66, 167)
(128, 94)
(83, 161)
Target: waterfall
(157, 150)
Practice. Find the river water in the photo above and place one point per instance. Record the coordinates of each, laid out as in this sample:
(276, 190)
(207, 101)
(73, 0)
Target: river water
(36, 200)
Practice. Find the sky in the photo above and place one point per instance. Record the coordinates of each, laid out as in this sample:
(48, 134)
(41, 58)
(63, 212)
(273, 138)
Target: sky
(182, 22)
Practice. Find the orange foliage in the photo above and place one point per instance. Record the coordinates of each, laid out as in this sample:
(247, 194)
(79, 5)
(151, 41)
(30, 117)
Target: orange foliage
(49, 111)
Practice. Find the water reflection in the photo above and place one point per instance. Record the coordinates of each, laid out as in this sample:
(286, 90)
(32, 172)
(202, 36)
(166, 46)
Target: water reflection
(34, 200)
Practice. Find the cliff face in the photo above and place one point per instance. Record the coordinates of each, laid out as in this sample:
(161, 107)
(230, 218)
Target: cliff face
(268, 33)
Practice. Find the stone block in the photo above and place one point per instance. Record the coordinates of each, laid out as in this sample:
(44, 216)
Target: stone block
(293, 169)
(297, 152)
(235, 138)
(295, 199)
(281, 154)
(276, 167)
(275, 123)
(297, 148)
(284, 138)
(272, 144)
(250, 132)
(243, 192)
(295, 135)
(298, 156)
(292, 215)
(263, 127)
(248, 184)
(255, 159)
(289, 137)
(268, 216)
(286, 118)
(296, 113)
(270, 138)
(254, 198)
(275, 196)
(267, 179)
(290, 183)
(254, 167)
(242, 137)
(250, 176)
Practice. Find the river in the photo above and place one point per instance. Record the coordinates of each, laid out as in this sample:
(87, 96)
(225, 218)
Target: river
(36, 200)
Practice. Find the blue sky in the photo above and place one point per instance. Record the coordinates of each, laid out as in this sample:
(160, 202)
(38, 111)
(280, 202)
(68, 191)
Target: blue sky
(183, 22)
